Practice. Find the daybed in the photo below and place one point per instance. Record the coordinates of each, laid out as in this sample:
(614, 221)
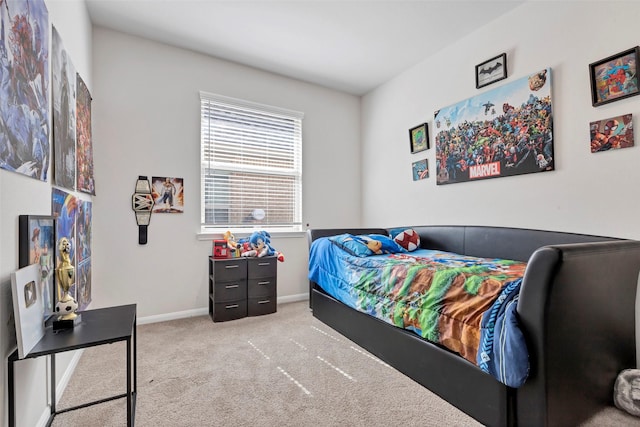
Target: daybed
(576, 310)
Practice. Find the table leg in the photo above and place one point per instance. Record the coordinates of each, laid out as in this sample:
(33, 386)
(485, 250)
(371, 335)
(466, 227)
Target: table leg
(53, 383)
(11, 390)
(135, 355)
(129, 394)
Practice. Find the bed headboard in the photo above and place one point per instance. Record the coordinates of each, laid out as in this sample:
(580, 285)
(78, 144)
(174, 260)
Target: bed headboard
(496, 242)
(474, 240)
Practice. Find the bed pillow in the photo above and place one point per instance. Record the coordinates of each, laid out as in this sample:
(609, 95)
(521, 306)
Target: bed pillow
(381, 244)
(366, 244)
(408, 238)
(351, 244)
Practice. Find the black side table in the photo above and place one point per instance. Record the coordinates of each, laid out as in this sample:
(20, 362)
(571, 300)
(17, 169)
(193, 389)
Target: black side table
(98, 327)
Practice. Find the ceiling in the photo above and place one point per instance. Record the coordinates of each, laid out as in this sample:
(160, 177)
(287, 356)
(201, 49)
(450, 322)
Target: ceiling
(349, 45)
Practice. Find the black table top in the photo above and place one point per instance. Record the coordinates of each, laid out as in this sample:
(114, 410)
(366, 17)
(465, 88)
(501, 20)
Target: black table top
(99, 326)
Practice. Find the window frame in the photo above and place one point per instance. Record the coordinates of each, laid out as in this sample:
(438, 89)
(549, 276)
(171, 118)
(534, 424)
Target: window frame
(295, 227)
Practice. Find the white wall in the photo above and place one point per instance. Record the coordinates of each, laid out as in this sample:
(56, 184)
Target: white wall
(146, 110)
(587, 193)
(20, 195)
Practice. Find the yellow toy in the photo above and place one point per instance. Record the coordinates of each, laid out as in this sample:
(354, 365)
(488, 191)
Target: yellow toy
(234, 247)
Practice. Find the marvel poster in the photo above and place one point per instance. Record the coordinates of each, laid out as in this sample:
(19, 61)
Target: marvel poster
(502, 132)
(24, 87)
(84, 149)
(64, 114)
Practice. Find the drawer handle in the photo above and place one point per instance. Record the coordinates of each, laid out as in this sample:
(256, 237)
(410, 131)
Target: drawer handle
(231, 306)
(264, 302)
(263, 283)
(262, 264)
(231, 286)
(231, 266)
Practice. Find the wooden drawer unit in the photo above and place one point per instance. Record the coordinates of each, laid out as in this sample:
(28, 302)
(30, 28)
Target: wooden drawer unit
(240, 287)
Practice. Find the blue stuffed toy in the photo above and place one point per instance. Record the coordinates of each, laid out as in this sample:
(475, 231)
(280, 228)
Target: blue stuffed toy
(260, 246)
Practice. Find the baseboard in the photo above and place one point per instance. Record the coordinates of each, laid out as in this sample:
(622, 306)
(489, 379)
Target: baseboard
(173, 316)
(205, 311)
(61, 386)
(293, 298)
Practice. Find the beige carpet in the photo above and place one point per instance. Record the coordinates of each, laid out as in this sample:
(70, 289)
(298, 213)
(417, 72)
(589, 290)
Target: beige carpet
(283, 369)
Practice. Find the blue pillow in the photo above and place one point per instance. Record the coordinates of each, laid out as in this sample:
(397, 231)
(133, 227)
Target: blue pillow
(367, 244)
(351, 244)
(387, 244)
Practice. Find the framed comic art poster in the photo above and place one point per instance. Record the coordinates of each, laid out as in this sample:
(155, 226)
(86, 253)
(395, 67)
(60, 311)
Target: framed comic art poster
(37, 237)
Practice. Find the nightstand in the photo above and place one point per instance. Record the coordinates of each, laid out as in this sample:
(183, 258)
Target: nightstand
(240, 287)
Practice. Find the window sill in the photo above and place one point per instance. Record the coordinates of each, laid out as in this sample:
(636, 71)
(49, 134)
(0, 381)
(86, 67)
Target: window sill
(211, 235)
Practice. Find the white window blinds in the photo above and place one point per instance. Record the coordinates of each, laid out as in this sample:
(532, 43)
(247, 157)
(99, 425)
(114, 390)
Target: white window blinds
(251, 161)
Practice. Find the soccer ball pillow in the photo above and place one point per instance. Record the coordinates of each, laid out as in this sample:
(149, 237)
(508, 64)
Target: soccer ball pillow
(408, 239)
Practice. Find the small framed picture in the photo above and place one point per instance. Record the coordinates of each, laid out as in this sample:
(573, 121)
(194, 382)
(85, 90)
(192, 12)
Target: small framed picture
(37, 237)
(612, 134)
(491, 71)
(615, 77)
(420, 169)
(419, 138)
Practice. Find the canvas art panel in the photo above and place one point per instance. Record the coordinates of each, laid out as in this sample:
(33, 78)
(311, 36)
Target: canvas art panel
(64, 207)
(84, 149)
(83, 279)
(612, 134)
(83, 229)
(420, 169)
(24, 88)
(37, 246)
(27, 308)
(64, 114)
(503, 132)
(168, 194)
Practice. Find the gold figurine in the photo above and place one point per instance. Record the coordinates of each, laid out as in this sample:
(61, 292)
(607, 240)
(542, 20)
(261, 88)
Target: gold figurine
(65, 273)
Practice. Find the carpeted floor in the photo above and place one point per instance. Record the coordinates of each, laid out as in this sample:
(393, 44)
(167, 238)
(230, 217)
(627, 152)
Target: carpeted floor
(283, 369)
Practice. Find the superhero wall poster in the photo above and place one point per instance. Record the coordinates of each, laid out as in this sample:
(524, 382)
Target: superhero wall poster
(612, 134)
(168, 194)
(502, 132)
(64, 114)
(24, 87)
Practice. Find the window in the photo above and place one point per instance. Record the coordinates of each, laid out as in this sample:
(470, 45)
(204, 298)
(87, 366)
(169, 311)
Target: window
(251, 166)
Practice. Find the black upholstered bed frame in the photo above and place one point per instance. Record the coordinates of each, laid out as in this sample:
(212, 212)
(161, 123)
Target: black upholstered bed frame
(576, 308)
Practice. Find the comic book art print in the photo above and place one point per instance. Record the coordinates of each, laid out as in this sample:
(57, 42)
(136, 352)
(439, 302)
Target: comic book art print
(503, 132)
(420, 169)
(24, 88)
(83, 279)
(83, 229)
(168, 194)
(615, 77)
(612, 134)
(37, 246)
(64, 207)
(64, 114)
(84, 149)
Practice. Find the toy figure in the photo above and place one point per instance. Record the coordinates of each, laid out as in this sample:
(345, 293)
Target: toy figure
(65, 273)
(259, 245)
(232, 244)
